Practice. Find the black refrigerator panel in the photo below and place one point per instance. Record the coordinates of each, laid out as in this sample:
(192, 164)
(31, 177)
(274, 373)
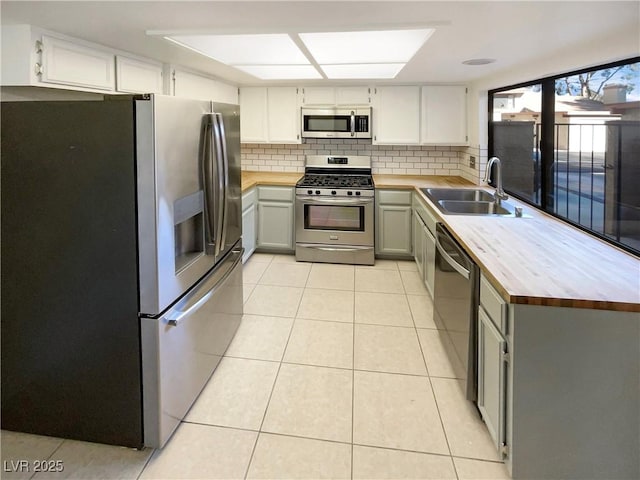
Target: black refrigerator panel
(71, 362)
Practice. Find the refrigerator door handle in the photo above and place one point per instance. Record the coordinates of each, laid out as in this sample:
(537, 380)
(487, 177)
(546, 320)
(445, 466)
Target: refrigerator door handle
(218, 136)
(225, 181)
(174, 318)
(208, 174)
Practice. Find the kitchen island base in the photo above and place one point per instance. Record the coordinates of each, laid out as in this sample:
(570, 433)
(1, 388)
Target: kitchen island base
(573, 407)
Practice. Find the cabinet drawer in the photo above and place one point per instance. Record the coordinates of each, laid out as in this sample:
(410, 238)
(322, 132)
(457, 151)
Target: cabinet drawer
(394, 197)
(249, 198)
(493, 304)
(278, 194)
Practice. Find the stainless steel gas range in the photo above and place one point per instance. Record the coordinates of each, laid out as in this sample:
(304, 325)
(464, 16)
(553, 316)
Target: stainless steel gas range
(335, 210)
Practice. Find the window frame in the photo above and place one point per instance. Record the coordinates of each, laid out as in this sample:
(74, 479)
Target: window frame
(547, 141)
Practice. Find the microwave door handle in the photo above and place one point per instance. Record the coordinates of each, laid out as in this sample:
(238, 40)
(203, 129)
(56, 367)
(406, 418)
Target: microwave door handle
(353, 123)
(208, 170)
(218, 181)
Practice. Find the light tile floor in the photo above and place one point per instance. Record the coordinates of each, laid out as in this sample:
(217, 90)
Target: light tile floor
(336, 371)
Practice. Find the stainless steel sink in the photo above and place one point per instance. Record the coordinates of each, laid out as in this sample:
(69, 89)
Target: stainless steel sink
(461, 194)
(467, 201)
(474, 207)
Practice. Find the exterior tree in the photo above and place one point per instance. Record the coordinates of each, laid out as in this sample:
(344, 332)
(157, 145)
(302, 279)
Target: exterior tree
(589, 84)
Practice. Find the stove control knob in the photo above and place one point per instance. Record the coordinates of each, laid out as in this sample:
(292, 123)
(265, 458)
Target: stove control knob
(309, 192)
(333, 192)
(349, 193)
(317, 192)
(358, 193)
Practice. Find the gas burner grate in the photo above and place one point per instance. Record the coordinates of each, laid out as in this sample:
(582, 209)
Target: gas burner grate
(337, 181)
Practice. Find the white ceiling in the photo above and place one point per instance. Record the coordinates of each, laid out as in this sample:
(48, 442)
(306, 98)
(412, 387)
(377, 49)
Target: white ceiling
(515, 33)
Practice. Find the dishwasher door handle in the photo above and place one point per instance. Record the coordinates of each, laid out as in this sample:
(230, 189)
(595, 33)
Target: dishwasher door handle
(449, 259)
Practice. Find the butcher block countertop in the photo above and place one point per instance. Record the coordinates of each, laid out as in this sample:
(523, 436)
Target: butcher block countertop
(284, 179)
(419, 181)
(539, 260)
(289, 179)
(534, 260)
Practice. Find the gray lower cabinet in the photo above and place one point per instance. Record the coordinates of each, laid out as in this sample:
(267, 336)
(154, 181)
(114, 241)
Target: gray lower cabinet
(418, 244)
(559, 388)
(492, 375)
(429, 258)
(424, 243)
(275, 218)
(493, 358)
(393, 223)
(249, 223)
(424, 249)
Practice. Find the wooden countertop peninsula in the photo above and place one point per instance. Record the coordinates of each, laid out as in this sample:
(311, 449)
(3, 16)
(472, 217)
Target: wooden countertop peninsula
(534, 260)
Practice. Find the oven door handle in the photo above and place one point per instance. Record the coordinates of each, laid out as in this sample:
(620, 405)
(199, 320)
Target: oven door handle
(336, 200)
(333, 249)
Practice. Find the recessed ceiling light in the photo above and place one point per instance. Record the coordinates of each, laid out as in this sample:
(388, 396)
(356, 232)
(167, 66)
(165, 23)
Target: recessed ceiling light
(392, 46)
(281, 72)
(369, 71)
(267, 49)
(341, 55)
(479, 61)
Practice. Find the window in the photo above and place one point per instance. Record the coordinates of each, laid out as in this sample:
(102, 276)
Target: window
(516, 130)
(570, 145)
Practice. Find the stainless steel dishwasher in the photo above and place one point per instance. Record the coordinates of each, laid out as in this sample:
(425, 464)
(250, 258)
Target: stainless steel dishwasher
(456, 296)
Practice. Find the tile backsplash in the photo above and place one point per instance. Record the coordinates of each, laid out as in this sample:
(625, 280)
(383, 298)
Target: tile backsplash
(396, 159)
(476, 173)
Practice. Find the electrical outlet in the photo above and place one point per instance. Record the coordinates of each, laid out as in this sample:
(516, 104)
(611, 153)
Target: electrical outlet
(472, 161)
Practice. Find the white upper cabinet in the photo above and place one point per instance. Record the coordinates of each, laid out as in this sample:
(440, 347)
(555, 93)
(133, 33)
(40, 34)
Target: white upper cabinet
(335, 96)
(35, 57)
(353, 95)
(396, 115)
(191, 85)
(135, 76)
(319, 96)
(283, 109)
(253, 115)
(444, 115)
(269, 115)
(73, 64)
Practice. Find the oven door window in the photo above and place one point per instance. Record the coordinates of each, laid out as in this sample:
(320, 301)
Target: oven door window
(327, 123)
(334, 217)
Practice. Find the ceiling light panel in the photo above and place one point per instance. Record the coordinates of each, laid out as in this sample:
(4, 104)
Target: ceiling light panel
(281, 72)
(263, 49)
(389, 46)
(368, 71)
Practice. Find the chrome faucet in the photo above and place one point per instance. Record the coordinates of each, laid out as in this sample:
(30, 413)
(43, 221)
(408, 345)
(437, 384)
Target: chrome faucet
(499, 195)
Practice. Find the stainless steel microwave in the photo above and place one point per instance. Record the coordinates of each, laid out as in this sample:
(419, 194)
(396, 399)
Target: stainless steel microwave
(342, 122)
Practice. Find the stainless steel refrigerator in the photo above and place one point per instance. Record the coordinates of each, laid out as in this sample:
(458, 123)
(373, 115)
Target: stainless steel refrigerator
(121, 263)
